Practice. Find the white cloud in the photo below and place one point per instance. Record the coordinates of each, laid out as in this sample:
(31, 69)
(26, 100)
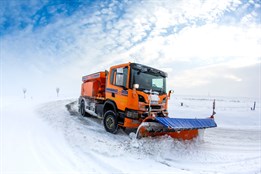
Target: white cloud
(85, 43)
(233, 77)
(209, 43)
(218, 80)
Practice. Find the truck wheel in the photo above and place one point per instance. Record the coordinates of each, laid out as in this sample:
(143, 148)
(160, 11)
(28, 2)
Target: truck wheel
(82, 109)
(110, 122)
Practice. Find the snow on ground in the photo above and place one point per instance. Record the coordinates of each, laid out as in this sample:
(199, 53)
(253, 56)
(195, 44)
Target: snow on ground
(42, 137)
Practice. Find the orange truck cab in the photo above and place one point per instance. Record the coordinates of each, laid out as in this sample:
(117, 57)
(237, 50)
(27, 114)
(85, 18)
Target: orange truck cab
(124, 96)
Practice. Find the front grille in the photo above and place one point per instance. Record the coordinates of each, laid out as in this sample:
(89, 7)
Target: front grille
(154, 107)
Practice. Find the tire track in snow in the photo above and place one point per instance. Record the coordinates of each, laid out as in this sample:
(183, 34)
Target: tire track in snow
(225, 150)
(76, 130)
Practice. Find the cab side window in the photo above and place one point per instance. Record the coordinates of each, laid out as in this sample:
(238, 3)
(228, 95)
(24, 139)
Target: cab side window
(119, 76)
(112, 78)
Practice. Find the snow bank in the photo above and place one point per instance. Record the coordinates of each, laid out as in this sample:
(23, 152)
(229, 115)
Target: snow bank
(230, 112)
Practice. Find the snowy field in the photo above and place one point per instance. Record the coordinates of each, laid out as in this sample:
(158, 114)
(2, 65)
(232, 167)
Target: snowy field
(42, 137)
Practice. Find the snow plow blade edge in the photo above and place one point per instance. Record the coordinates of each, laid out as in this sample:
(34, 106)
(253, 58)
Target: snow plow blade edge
(178, 128)
(186, 123)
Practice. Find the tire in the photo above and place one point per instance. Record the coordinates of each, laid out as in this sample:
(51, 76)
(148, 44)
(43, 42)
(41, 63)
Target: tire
(110, 122)
(82, 109)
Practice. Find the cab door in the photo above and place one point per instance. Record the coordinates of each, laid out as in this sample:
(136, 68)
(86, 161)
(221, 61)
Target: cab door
(117, 90)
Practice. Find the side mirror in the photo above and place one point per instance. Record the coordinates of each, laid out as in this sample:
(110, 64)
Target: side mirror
(170, 92)
(106, 72)
(136, 86)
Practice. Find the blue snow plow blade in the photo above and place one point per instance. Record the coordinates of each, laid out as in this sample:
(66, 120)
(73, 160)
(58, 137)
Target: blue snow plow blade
(177, 124)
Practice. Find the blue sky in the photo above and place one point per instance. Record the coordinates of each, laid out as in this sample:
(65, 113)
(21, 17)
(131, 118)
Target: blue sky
(207, 47)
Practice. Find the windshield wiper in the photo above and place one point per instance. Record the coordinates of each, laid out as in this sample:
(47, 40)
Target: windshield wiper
(148, 91)
(159, 91)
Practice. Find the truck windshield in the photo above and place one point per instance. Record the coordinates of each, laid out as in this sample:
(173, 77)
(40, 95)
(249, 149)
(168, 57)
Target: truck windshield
(148, 81)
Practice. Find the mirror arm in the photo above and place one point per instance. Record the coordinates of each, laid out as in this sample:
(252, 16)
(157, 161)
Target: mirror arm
(170, 92)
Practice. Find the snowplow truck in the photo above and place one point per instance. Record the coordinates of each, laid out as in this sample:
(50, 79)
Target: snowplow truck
(132, 95)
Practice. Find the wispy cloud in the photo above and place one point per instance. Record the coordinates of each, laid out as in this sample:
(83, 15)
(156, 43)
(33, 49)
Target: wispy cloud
(65, 41)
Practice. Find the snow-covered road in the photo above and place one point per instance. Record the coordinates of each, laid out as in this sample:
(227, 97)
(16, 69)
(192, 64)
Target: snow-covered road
(45, 138)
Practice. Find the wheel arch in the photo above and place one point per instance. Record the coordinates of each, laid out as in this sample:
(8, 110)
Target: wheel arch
(110, 105)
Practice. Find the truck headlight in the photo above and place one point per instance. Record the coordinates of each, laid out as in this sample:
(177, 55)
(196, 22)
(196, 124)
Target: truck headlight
(132, 114)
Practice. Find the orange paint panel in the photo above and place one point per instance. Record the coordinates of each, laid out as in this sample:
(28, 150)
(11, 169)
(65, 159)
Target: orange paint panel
(130, 123)
(94, 85)
(183, 135)
(88, 89)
